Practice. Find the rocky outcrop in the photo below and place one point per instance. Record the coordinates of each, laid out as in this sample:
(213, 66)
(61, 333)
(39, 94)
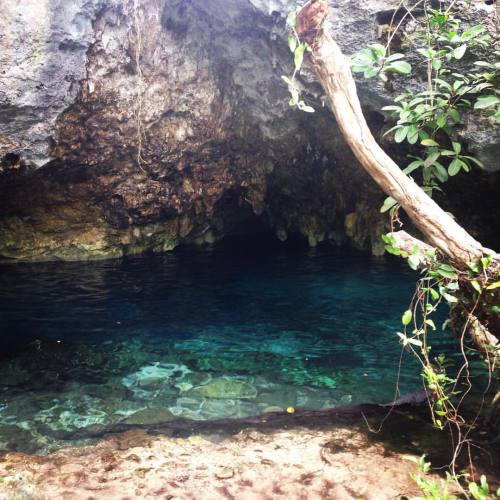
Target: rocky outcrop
(133, 125)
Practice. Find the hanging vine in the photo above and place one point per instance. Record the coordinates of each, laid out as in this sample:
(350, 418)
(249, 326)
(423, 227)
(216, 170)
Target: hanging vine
(139, 84)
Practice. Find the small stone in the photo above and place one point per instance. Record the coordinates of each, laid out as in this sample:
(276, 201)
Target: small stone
(273, 409)
(224, 473)
(266, 461)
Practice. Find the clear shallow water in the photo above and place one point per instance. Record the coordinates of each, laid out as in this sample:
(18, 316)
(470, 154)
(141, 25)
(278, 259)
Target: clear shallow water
(199, 333)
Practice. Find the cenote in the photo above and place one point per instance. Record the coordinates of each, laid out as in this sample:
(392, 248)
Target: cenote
(235, 238)
(226, 331)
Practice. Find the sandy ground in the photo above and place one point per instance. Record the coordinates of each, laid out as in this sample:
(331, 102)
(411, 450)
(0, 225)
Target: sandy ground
(301, 463)
(290, 458)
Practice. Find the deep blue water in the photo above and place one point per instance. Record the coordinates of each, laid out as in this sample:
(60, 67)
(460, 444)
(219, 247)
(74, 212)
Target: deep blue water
(230, 331)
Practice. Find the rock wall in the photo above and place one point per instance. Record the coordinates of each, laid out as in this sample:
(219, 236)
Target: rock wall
(134, 125)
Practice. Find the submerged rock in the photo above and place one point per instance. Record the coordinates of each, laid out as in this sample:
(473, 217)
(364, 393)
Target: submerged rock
(224, 388)
(150, 416)
(12, 375)
(153, 377)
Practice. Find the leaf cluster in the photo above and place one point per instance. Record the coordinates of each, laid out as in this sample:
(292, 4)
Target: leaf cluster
(426, 120)
(298, 49)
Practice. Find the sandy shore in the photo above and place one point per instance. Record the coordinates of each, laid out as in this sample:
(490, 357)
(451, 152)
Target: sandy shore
(330, 461)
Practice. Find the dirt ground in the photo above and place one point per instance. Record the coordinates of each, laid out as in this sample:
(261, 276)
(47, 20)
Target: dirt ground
(327, 462)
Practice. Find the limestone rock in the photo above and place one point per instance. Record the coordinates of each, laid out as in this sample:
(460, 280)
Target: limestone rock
(220, 148)
(150, 416)
(224, 388)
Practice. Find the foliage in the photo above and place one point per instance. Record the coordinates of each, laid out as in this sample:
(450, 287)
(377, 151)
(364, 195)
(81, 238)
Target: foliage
(440, 490)
(441, 282)
(427, 118)
(298, 49)
(376, 61)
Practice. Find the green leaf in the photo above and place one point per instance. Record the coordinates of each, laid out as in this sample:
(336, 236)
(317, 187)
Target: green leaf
(403, 337)
(413, 166)
(295, 96)
(388, 204)
(292, 43)
(473, 32)
(459, 52)
(443, 84)
(430, 323)
(440, 172)
(486, 101)
(370, 72)
(476, 285)
(447, 152)
(412, 136)
(486, 261)
(431, 158)
(436, 64)
(400, 134)
(450, 298)
(401, 67)
(456, 147)
(396, 127)
(378, 49)
(441, 120)
(434, 294)
(428, 53)
(414, 261)
(291, 19)
(303, 107)
(392, 108)
(474, 267)
(429, 142)
(454, 115)
(395, 57)
(406, 318)
(423, 134)
(493, 285)
(415, 342)
(299, 55)
(455, 166)
(446, 273)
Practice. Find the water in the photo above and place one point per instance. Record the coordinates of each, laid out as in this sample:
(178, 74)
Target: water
(232, 331)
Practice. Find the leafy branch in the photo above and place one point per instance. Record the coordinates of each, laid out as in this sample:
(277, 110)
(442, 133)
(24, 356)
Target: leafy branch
(298, 49)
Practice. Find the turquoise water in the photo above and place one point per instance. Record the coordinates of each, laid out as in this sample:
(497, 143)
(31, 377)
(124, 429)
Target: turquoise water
(200, 333)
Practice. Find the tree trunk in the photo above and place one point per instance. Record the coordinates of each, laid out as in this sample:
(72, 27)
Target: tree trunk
(334, 73)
